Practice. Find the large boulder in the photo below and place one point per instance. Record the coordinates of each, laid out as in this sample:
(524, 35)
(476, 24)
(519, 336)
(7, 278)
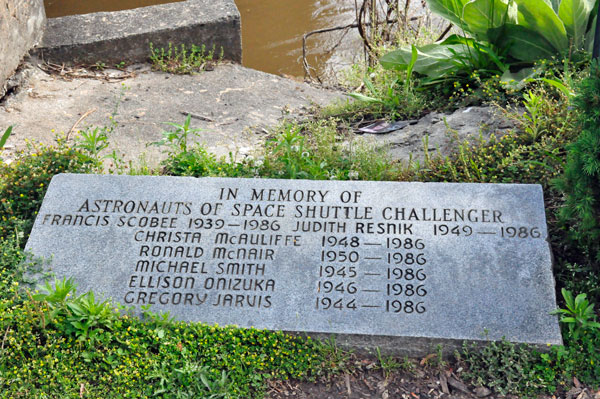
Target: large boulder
(22, 25)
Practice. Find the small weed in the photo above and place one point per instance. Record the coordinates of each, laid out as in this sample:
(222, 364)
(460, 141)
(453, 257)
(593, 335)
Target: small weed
(502, 366)
(533, 125)
(388, 364)
(385, 94)
(192, 380)
(335, 360)
(177, 139)
(99, 66)
(93, 141)
(578, 315)
(182, 60)
(87, 319)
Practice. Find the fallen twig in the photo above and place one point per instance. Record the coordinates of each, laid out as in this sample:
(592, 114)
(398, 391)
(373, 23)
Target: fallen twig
(91, 111)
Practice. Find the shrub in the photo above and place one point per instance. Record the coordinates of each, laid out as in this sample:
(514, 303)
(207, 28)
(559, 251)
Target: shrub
(23, 183)
(581, 180)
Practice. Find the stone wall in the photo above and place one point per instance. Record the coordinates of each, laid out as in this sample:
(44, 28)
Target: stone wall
(21, 27)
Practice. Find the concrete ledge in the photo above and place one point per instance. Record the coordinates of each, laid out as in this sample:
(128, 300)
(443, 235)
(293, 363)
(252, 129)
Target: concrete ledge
(126, 35)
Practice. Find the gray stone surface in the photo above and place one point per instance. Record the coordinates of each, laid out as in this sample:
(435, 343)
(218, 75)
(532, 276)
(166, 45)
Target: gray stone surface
(21, 28)
(443, 131)
(126, 35)
(232, 105)
(401, 265)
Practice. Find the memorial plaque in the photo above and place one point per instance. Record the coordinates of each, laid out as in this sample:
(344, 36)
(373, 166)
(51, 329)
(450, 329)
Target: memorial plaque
(394, 264)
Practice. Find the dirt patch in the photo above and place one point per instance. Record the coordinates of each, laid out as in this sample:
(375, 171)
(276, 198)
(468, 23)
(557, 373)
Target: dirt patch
(415, 379)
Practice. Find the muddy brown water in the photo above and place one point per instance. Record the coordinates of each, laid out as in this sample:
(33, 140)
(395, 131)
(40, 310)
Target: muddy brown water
(272, 30)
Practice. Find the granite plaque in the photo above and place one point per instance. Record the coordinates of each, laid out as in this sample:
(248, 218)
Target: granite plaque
(405, 261)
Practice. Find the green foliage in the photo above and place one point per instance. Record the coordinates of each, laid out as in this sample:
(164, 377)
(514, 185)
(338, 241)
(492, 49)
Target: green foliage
(387, 364)
(579, 314)
(456, 55)
(533, 125)
(177, 139)
(182, 59)
(310, 150)
(580, 278)
(319, 150)
(198, 162)
(510, 369)
(5, 136)
(512, 158)
(382, 94)
(578, 357)
(581, 180)
(123, 357)
(89, 321)
(23, 183)
(192, 380)
(59, 344)
(390, 95)
(92, 141)
(505, 32)
(501, 366)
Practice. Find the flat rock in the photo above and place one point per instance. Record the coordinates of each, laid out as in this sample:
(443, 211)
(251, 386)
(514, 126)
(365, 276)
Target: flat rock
(441, 132)
(396, 265)
(231, 104)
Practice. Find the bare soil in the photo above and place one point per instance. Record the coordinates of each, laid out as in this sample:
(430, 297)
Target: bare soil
(415, 379)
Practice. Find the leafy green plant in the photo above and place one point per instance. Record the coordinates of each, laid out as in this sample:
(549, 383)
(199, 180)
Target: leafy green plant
(296, 158)
(533, 125)
(390, 95)
(502, 33)
(56, 298)
(321, 150)
(5, 136)
(579, 314)
(192, 380)
(177, 139)
(502, 366)
(82, 316)
(334, 358)
(93, 141)
(182, 59)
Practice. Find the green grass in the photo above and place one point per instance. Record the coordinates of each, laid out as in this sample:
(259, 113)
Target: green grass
(183, 60)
